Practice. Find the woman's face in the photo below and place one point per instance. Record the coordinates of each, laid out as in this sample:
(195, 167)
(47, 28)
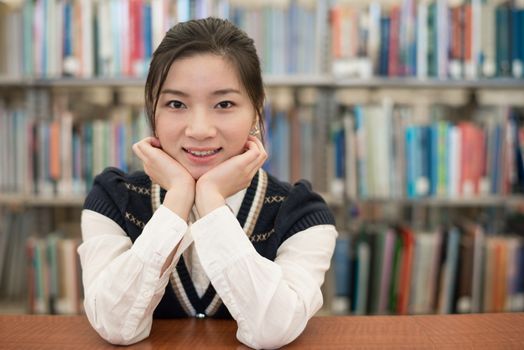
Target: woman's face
(204, 114)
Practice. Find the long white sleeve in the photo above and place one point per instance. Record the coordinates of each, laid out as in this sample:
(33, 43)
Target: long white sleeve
(271, 301)
(122, 282)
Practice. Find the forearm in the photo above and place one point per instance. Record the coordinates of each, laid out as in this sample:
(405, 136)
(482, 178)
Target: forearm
(271, 301)
(124, 283)
(120, 303)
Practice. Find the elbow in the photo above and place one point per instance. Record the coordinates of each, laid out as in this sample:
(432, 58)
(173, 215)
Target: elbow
(120, 337)
(273, 335)
(113, 330)
(276, 332)
(269, 340)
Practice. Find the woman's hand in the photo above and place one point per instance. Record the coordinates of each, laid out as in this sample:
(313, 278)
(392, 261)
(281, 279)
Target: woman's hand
(169, 174)
(229, 177)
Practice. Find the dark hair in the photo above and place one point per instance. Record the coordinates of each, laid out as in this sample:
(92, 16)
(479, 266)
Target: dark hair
(209, 35)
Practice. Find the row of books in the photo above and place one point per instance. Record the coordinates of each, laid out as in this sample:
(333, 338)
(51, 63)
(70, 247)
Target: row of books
(61, 156)
(366, 151)
(387, 151)
(438, 38)
(54, 38)
(54, 281)
(457, 269)
(39, 267)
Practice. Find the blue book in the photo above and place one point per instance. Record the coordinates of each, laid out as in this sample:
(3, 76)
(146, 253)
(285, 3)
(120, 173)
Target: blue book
(67, 44)
(341, 265)
(411, 160)
(361, 161)
(517, 44)
(423, 152)
(340, 148)
(433, 158)
(503, 40)
(148, 40)
(495, 168)
(88, 154)
(384, 46)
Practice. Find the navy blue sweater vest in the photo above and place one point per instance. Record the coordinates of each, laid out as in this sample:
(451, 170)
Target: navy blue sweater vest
(271, 212)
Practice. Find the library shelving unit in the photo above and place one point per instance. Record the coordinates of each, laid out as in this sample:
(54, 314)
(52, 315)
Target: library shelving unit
(406, 115)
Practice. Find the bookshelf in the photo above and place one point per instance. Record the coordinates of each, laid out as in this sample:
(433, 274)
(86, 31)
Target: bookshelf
(386, 62)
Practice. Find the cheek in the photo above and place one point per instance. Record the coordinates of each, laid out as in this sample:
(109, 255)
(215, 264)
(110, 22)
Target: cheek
(237, 140)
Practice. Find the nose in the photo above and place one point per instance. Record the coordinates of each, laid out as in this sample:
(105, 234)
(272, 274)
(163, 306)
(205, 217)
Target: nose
(200, 125)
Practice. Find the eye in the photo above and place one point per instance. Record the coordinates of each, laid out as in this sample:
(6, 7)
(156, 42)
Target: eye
(225, 104)
(175, 104)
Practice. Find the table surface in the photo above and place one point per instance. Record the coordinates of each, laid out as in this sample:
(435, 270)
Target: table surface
(480, 331)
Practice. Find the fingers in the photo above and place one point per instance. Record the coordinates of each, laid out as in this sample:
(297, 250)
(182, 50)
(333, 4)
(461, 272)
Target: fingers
(143, 147)
(255, 156)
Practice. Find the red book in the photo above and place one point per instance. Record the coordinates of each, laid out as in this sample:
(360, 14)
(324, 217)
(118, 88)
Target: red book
(336, 36)
(405, 270)
(393, 59)
(136, 30)
(468, 24)
(54, 151)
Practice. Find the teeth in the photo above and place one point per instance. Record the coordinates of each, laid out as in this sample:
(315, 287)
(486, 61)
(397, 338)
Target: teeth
(202, 153)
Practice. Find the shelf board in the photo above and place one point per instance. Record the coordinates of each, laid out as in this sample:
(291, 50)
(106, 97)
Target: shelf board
(11, 307)
(487, 201)
(41, 201)
(431, 83)
(291, 80)
(495, 201)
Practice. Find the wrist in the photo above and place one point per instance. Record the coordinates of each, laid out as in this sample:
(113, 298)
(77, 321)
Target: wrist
(208, 199)
(180, 202)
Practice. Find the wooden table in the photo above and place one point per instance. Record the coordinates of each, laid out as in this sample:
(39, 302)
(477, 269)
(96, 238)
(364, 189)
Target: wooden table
(483, 331)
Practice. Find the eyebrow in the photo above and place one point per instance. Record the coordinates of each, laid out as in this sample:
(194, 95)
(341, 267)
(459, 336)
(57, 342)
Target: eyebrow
(215, 93)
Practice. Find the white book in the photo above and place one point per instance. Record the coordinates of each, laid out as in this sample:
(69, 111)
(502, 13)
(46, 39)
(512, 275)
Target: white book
(52, 41)
(414, 306)
(3, 146)
(422, 40)
(443, 39)
(488, 38)
(86, 10)
(157, 22)
(383, 117)
(105, 40)
(471, 67)
(478, 263)
(351, 164)
(11, 64)
(424, 255)
(321, 52)
(512, 255)
(68, 302)
(65, 184)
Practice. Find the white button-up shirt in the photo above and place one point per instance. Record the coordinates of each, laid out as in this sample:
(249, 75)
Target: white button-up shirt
(271, 301)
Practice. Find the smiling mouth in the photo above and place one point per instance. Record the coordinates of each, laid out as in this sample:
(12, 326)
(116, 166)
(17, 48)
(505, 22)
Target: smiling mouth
(202, 153)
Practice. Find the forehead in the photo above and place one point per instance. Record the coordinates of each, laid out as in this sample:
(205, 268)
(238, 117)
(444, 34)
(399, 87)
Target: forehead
(203, 71)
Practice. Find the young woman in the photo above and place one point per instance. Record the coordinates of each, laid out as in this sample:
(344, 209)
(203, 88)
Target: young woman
(204, 231)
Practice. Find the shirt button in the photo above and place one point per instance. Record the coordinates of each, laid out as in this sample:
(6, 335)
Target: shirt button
(200, 315)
